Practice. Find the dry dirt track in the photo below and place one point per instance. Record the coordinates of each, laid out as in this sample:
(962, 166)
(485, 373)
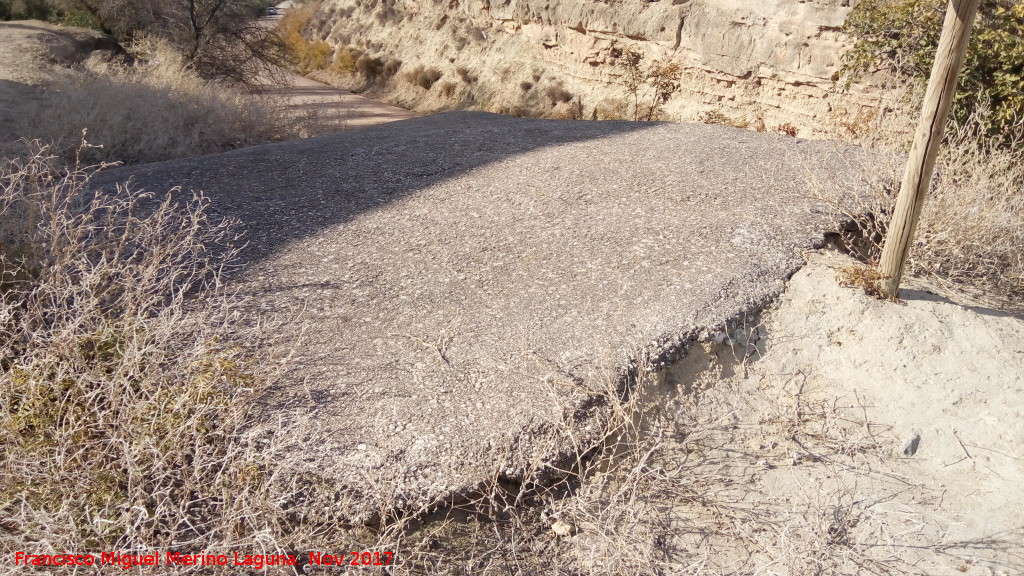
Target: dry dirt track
(331, 106)
(327, 105)
(472, 283)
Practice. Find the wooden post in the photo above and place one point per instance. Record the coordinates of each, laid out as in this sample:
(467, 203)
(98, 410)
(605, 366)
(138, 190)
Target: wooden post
(941, 86)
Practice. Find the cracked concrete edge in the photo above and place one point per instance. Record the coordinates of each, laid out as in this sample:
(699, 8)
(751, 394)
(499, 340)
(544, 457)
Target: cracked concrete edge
(574, 445)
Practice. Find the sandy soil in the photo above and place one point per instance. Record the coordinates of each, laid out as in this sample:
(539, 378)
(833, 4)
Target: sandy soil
(809, 440)
(330, 106)
(934, 366)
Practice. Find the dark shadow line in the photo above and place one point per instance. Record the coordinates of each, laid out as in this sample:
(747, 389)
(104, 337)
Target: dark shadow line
(287, 191)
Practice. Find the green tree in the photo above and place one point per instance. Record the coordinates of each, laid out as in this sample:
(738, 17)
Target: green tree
(900, 36)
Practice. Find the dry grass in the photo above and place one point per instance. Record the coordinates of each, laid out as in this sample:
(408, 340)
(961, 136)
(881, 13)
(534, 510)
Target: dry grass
(157, 109)
(717, 117)
(972, 225)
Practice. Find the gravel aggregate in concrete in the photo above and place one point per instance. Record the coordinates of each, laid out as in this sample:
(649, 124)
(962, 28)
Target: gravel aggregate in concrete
(469, 284)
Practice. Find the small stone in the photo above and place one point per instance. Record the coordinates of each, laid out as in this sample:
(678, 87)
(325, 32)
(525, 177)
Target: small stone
(561, 528)
(361, 447)
(911, 445)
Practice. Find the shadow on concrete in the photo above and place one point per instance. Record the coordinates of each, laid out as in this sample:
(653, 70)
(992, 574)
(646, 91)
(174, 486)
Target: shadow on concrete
(287, 191)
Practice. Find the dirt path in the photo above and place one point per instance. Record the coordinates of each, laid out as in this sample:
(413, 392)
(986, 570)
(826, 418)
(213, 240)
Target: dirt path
(333, 106)
(327, 105)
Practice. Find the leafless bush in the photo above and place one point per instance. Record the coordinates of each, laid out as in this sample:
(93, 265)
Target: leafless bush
(221, 39)
(370, 68)
(391, 67)
(787, 129)
(126, 373)
(972, 226)
(466, 74)
(447, 89)
(424, 77)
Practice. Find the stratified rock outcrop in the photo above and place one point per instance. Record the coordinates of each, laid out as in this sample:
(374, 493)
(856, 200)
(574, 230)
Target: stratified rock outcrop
(767, 62)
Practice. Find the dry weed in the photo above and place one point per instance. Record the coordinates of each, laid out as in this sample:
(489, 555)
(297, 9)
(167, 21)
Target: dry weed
(157, 109)
(972, 224)
(126, 373)
(861, 276)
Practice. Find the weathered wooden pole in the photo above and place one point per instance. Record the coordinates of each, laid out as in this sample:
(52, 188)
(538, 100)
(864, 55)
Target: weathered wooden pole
(937, 100)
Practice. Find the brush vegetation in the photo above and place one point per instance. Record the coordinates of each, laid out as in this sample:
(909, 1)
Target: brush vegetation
(900, 37)
(126, 372)
(220, 39)
(155, 109)
(972, 226)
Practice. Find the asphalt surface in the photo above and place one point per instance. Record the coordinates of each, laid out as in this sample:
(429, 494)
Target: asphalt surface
(470, 285)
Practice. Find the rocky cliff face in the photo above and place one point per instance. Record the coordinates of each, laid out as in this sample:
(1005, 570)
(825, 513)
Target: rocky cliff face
(761, 62)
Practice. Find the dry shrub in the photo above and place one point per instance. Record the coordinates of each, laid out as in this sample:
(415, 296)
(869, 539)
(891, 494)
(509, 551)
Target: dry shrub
(424, 77)
(157, 109)
(787, 129)
(126, 374)
(370, 68)
(861, 276)
(317, 55)
(447, 89)
(305, 54)
(466, 74)
(557, 94)
(345, 60)
(972, 224)
(391, 67)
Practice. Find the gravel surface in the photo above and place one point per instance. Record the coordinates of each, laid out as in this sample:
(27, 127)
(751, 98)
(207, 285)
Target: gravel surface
(469, 284)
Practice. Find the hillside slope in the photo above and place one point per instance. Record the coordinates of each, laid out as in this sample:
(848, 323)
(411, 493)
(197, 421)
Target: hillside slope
(764, 63)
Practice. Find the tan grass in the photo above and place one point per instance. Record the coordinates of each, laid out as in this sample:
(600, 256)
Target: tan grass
(972, 224)
(156, 109)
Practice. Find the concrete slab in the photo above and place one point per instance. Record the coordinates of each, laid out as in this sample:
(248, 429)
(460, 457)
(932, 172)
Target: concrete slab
(472, 283)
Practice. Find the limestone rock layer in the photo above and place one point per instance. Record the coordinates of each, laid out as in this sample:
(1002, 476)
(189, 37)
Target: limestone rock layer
(763, 62)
